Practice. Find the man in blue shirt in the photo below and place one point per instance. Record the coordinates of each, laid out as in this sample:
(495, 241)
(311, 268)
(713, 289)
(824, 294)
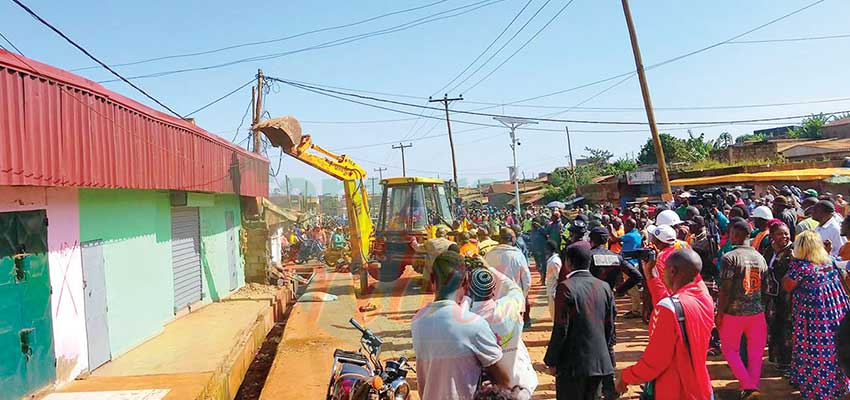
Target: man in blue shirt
(632, 240)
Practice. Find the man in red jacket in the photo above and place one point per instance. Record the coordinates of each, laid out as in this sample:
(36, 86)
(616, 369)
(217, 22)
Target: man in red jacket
(674, 361)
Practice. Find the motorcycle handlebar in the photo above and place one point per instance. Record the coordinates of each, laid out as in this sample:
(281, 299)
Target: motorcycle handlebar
(356, 325)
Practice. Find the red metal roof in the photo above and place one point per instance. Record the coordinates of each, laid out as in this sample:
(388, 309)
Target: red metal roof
(59, 129)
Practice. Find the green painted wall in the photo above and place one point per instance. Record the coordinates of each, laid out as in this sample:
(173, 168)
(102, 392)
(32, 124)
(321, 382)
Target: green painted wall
(214, 247)
(135, 226)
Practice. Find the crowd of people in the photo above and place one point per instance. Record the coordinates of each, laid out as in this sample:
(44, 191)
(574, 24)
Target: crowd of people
(713, 274)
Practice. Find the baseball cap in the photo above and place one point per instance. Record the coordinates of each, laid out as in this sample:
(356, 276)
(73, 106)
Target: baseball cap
(685, 195)
(781, 201)
(665, 234)
(810, 193)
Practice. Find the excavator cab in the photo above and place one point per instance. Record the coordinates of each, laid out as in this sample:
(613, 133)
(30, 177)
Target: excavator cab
(411, 207)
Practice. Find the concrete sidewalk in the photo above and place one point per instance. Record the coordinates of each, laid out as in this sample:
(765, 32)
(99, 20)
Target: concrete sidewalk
(302, 367)
(203, 355)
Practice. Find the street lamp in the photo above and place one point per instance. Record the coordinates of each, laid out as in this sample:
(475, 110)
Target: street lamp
(513, 124)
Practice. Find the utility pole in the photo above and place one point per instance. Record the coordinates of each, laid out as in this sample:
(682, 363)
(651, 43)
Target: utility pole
(667, 194)
(288, 197)
(258, 111)
(446, 100)
(572, 167)
(512, 124)
(372, 180)
(380, 172)
(402, 147)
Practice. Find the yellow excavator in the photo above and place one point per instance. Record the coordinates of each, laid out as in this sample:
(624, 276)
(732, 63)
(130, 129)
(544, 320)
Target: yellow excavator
(411, 207)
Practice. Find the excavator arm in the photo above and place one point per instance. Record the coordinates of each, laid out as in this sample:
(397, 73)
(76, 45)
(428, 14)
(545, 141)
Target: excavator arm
(285, 133)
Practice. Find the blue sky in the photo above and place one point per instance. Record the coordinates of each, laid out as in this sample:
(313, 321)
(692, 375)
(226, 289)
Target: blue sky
(587, 42)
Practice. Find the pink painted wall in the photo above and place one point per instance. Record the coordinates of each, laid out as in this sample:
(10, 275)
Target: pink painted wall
(66, 276)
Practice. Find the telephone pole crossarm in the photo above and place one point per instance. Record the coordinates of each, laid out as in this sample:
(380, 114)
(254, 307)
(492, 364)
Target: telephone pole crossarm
(402, 146)
(446, 100)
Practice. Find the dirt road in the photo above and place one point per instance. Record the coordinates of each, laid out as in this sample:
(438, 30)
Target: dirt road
(303, 361)
(397, 303)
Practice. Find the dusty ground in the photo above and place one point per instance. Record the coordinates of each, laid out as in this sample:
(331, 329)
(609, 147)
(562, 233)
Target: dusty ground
(302, 365)
(398, 302)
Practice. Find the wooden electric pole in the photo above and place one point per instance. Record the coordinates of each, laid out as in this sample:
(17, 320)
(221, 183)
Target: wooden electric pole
(380, 172)
(403, 165)
(572, 167)
(446, 100)
(258, 111)
(288, 197)
(667, 194)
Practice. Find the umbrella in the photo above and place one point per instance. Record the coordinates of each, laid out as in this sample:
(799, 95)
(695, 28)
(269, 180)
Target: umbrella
(556, 204)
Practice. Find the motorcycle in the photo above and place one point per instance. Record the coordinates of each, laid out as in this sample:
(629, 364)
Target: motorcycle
(310, 248)
(358, 376)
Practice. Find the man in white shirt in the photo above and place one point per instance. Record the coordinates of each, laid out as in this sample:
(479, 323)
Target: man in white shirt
(829, 225)
(509, 260)
(504, 315)
(453, 345)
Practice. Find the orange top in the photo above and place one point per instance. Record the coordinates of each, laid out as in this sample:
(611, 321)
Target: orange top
(616, 246)
(469, 250)
(844, 252)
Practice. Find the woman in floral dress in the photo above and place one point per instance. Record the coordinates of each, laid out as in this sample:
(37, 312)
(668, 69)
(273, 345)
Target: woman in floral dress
(777, 302)
(819, 304)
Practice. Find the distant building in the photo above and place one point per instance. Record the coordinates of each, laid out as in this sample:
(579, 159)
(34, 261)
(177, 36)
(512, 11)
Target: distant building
(788, 149)
(837, 129)
(777, 132)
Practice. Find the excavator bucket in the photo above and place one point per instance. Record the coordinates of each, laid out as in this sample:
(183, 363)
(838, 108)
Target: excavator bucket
(284, 132)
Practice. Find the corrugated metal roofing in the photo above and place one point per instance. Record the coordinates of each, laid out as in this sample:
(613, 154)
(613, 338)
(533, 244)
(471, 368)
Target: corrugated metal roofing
(794, 175)
(59, 129)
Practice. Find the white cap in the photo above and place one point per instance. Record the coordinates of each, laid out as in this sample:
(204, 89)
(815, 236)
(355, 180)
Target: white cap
(762, 212)
(664, 233)
(685, 194)
(667, 217)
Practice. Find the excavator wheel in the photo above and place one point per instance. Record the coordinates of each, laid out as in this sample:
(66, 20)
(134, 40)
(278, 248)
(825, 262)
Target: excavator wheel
(389, 271)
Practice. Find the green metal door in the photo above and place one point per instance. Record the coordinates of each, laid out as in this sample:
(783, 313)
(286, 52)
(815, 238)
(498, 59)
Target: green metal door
(26, 333)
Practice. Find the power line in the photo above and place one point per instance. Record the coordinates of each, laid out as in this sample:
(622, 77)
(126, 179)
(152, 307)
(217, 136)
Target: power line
(539, 31)
(280, 39)
(338, 42)
(800, 39)
(674, 59)
(11, 44)
(486, 49)
(89, 55)
(242, 121)
(221, 98)
(522, 28)
(574, 121)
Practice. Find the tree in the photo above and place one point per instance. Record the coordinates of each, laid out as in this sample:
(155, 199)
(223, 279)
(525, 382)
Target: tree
(598, 156)
(674, 150)
(811, 128)
(754, 137)
(725, 140)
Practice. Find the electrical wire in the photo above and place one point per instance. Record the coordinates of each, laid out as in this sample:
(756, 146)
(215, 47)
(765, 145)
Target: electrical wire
(280, 39)
(333, 43)
(241, 122)
(540, 119)
(674, 59)
(502, 33)
(800, 39)
(533, 16)
(90, 55)
(10, 43)
(221, 98)
(539, 31)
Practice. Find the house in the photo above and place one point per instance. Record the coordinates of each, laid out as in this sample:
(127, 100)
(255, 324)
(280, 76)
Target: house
(116, 220)
(789, 149)
(502, 194)
(839, 128)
